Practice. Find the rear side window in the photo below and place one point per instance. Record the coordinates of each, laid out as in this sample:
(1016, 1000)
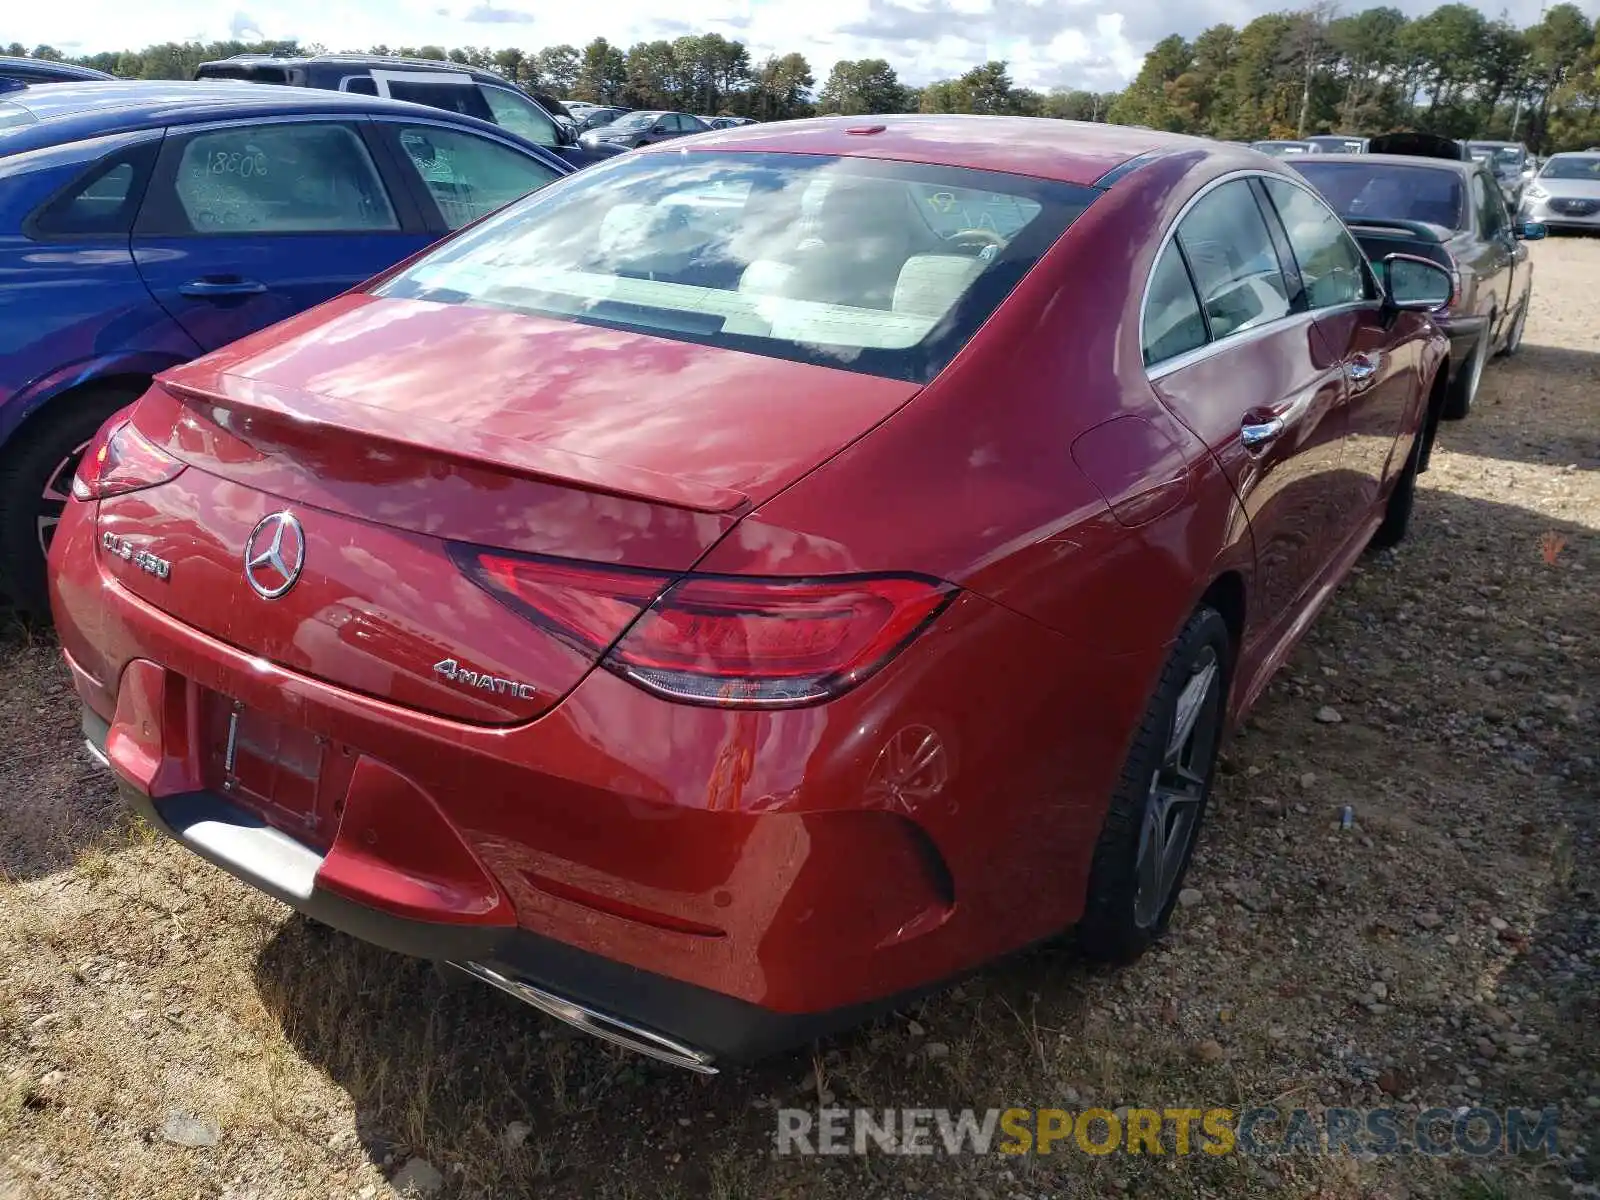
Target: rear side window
(1332, 267)
(521, 117)
(469, 176)
(465, 99)
(1491, 210)
(103, 201)
(1235, 264)
(1173, 322)
(311, 178)
(361, 85)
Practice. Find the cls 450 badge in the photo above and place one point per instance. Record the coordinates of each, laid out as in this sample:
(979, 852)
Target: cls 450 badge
(143, 559)
(450, 669)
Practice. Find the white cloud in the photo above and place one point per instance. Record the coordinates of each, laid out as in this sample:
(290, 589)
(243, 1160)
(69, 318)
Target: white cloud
(1074, 43)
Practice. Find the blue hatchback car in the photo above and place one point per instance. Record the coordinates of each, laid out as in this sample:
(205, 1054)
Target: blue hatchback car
(142, 224)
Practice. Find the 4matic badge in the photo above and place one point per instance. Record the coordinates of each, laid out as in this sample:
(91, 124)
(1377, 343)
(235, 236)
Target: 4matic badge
(453, 671)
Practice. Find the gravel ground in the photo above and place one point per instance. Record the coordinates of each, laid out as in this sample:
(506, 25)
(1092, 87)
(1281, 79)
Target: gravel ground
(166, 1033)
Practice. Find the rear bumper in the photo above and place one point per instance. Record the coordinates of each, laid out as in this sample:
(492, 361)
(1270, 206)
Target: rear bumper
(737, 881)
(691, 1026)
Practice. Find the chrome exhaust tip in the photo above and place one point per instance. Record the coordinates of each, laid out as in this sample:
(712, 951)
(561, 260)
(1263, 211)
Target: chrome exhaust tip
(597, 1024)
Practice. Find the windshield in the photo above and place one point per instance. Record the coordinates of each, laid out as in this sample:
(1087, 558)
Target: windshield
(881, 267)
(1363, 192)
(1565, 166)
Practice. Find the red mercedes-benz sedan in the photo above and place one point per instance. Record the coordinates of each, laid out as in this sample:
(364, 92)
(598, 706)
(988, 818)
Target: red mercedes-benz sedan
(757, 579)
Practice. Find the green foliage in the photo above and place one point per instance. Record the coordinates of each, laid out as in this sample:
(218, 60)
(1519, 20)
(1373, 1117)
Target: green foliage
(1452, 71)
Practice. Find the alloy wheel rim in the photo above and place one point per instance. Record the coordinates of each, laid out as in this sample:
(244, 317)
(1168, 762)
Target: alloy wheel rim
(53, 499)
(1177, 790)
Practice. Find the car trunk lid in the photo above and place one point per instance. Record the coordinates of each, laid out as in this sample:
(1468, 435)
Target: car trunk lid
(389, 430)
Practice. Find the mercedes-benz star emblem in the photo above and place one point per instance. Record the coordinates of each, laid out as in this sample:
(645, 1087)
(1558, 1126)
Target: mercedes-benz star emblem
(274, 554)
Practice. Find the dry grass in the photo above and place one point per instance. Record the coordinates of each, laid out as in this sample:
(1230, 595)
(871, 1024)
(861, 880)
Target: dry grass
(137, 982)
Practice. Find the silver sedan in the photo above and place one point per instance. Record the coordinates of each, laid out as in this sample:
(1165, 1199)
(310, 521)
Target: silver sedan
(1565, 194)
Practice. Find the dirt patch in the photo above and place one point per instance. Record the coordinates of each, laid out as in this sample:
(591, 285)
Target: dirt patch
(166, 1033)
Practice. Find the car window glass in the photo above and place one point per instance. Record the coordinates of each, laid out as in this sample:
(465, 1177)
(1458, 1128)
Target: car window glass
(1235, 265)
(1491, 210)
(103, 201)
(1332, 267)
(521, 117)
(469, 176)
(1173, 323)
(315, 178)
(361, 85)
(451, 97)
(1379, 191)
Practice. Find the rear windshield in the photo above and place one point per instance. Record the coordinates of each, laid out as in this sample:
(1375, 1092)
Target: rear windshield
(1370, 192)
(879, 267)
(1562, 166)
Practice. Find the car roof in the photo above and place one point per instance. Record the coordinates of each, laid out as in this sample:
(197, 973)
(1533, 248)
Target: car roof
(49, 67)
(1458, 166)
(370, 61)
(1078, 152)
(70, 112)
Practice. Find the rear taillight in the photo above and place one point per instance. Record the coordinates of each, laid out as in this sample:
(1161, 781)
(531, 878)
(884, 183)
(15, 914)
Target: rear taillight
(730, 641)
(121, 459)
(1457, 300)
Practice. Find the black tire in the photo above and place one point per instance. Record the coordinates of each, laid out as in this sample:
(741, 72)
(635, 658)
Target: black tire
(1464, 387)
(35, 472)
(1128, 908)
(1397, 513)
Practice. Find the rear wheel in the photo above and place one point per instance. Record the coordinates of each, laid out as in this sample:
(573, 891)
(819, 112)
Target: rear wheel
(1464, 388)
(36, 483)
(1154, 818)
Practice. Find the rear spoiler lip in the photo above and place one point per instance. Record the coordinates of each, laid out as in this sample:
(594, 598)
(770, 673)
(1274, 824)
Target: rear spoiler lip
(309, 410)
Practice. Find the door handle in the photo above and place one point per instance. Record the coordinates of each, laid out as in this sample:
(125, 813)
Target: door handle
(1253, 435)
(212, 288)
(1361, 369)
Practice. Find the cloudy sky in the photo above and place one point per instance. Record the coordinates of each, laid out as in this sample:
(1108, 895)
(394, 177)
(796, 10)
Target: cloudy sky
(1075, 43)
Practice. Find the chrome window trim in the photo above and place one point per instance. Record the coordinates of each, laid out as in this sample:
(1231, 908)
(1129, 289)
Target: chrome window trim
(1244, 337)
(184, 130)
(1212, 344)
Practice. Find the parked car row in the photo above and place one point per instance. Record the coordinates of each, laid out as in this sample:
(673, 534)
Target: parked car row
(142, 224)
(1450, 211)
(638, 599)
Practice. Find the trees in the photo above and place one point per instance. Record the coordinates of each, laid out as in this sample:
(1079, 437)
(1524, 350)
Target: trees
(602, 73)
(863, 85)
(1287, 73)
(1450, 71)
(780, 89)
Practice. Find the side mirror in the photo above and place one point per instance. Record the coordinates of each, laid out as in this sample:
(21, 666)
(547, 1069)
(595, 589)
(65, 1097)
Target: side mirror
(1529, 231)
(1414, 284)
(659, 127)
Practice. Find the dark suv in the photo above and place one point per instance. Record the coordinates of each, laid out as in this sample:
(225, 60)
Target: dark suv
(454, 87)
